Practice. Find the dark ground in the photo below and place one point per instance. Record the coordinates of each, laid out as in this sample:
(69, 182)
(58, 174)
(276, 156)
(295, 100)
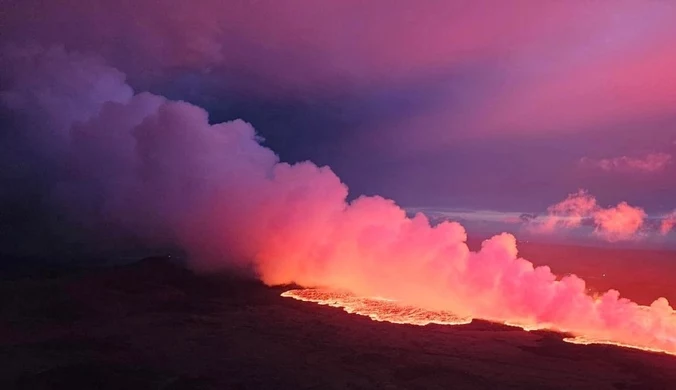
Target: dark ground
(155, 326)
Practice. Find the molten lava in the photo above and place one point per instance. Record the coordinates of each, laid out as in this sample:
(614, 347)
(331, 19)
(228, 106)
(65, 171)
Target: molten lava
(388, 310)
(378, 309)
(581, 340)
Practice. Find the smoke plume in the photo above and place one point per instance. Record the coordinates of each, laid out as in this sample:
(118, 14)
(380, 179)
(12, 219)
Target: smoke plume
(119, 163)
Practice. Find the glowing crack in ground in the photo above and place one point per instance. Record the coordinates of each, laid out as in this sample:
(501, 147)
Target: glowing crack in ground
(388, 310)
(378, 309)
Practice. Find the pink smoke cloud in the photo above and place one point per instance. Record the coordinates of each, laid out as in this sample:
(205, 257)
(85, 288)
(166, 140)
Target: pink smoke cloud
(650, 163)
(160, 169)
(618, 223)
(668, 223)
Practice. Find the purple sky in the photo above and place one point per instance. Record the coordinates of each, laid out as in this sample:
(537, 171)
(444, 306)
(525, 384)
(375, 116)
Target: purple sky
(482, 105)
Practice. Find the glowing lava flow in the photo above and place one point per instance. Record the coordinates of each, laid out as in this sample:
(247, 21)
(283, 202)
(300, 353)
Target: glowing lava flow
(378, 309)
(581, 340)
(387, 310)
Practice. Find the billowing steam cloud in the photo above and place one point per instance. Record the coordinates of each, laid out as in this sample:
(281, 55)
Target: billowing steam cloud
(142, 164)
(621, 222)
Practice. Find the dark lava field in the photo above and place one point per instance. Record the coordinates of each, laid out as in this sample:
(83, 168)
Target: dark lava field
(154, 325)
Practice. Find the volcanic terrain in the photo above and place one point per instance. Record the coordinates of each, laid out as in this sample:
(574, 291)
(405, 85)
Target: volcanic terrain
(154, 325)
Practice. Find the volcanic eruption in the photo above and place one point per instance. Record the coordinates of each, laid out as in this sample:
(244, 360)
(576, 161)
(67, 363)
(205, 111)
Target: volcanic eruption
(123, 163)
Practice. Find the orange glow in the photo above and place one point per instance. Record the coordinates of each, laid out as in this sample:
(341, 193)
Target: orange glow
(388, 310)
(377, 309)
(581, 340)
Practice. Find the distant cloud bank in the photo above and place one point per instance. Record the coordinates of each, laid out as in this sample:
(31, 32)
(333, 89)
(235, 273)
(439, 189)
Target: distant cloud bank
(653, 162)
(668, 223)
(580, 210)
